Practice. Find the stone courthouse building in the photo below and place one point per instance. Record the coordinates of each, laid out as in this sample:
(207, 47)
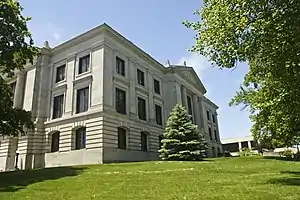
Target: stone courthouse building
(99, 98)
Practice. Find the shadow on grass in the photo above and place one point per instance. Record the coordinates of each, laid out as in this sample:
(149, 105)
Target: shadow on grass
(17, 180)
(293, 179)
(281, 158)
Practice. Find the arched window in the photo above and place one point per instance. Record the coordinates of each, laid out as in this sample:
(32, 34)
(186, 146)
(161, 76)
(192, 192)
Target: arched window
(121, 138)
(144, 141)
(55, 142)
(80, 138)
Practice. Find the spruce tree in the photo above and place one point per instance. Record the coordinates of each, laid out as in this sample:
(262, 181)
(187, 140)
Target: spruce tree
(182, 140)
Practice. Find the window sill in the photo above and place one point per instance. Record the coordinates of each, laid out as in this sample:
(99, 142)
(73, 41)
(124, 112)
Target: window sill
(84, 74)
(60, 84)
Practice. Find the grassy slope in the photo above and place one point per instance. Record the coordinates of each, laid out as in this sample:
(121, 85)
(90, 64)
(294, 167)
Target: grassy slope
(225, 178)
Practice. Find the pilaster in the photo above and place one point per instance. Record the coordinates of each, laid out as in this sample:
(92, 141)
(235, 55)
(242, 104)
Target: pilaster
(132, 92)
(196, 110)
(150, 97)
(20, 87)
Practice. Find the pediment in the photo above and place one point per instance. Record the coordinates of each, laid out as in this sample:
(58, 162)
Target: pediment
(189, 74)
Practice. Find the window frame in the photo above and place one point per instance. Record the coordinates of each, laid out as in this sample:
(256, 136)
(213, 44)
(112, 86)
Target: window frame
(64, 66)
(124, 144)
(86, 105)
(142, 81)
(161, 115)
(120, 111)
(62, 106)
(216, 135)
(157, 90)
(87, 58)
(82, 143)
(140, 116)
(208, 115)
(52, 147)
(145, 145)
(121, 70)
(210, 133)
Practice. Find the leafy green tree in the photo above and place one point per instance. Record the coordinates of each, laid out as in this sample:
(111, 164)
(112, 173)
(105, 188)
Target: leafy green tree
(265, 34)
(182, 141)
(16, 49)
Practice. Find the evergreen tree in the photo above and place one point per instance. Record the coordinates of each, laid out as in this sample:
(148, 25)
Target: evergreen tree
(182, 140)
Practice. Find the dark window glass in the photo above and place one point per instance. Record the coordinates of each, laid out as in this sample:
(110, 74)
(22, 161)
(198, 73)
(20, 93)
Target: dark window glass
(140, 77)
(213, 118)
(84, 64)
(156, 86)
(120, 66)
(144, 141)
(216, 135)
(82, 100)
(142, 108)
(160, 138)
(158, 114)
(190, 109)
(120, 101)
(55, 142)
(210, 133)
(60, 73)
(13, 87)
(58, 106)
(80, 138)
(207, 114)
(121, 138)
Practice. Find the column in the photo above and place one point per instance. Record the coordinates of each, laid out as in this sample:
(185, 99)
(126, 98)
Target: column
(132, 83)
(249, 145)
(240, 146)
(19, 92)
(184, 96)
(196, 110)
(201, 117)
(178, 94)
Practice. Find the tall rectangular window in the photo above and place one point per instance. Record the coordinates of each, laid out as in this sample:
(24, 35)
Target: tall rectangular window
(189, 102)
(55, 142)
(121, 138)
(158, 114)
(208, 115)
(80, 140)
(210, 133)
(142, 108)
(84, 64)
(58, 106)
(213, 118)
(120, 66)
(60, 73)
(140, 77)
(156, 86)
(144, 141)
(82, 102)
(120, 101)
(216, 135)
(13, 87)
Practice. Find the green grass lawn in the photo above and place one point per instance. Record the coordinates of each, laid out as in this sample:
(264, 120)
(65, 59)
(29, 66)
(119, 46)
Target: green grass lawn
(224, 178)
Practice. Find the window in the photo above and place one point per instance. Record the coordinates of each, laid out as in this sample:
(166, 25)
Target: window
(55, 142)
(80, 138)
(58, 106)
(120, 66)
(160, 138)
(158, 114)
(189, 102)
(216, 135)
(210, 133)
(142, 108)
(213, 149)
(144, 141)
(121, 138)
(82, 100)
(13, 87)
(84, 64)
(156, 86)
(213, 118)
(140, 77)
(207, 114)
(60, 73)
(120, 101)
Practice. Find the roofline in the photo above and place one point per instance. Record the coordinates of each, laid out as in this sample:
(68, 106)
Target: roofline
(211, 103)
(101, 29)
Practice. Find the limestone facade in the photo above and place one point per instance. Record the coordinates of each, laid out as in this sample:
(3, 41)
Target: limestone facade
(98, 98)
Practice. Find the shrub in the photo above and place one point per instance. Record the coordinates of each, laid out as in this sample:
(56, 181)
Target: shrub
(246, 152)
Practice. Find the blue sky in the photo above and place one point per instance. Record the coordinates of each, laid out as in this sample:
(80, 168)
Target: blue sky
(156, 27)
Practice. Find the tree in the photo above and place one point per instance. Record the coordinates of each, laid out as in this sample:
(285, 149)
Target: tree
(182, 141)
(265, 34)
(16, 49)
